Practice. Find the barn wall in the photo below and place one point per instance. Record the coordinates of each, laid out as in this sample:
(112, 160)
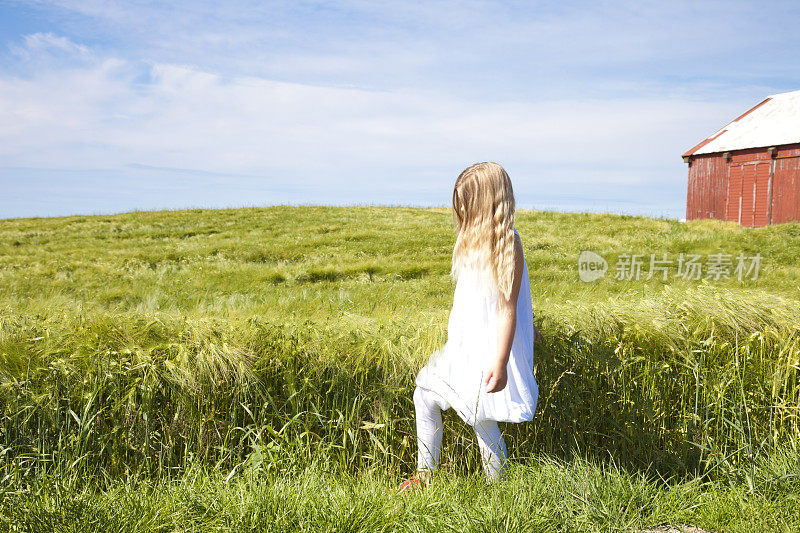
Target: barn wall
(707, 188)
(752, 154)
(740, 190)
(786, 185)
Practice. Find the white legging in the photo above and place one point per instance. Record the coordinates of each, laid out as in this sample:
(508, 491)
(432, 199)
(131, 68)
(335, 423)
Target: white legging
(429, 407)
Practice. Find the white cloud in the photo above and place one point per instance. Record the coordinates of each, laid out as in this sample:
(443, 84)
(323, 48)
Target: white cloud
(45, 41)
(579, 102)
(43, 45)
(102, 115)
(465, 47)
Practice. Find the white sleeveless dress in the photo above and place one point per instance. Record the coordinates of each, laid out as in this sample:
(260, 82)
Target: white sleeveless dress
(456, 371)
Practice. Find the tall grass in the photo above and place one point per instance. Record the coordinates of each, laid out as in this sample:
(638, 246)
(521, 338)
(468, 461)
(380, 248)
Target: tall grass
(696, 381)
(284, 342)
(543, 496)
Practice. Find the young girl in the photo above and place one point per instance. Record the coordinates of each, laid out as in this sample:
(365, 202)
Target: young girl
(485, 369)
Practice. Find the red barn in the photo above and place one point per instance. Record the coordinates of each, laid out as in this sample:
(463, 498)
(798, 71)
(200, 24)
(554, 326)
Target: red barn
(749, 171)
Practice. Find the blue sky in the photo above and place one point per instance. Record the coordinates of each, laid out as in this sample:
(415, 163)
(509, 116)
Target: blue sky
(113, 106)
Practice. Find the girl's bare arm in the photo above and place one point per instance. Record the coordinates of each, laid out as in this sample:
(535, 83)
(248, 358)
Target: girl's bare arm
(497, 376)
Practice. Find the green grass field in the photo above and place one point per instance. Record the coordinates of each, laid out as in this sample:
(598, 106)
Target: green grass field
(252, 369)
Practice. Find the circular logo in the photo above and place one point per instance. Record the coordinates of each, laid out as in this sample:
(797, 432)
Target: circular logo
(591, 266)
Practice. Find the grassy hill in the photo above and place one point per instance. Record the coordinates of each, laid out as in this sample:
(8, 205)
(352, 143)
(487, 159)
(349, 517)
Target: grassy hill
(312, 261)
(277, 346)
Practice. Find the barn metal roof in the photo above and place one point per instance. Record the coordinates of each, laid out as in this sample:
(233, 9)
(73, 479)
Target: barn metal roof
(773, 122)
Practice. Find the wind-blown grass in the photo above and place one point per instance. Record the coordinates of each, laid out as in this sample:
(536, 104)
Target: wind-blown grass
(285, 341)
(675, 383)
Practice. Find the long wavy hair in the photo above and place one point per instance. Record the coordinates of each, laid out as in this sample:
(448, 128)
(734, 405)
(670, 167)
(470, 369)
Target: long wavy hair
(483, 214)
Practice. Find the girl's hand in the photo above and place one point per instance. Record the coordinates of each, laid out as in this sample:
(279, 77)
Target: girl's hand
(496, 379)
(536, 335)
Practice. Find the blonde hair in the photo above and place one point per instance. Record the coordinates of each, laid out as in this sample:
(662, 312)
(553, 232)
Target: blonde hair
(483, 214)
